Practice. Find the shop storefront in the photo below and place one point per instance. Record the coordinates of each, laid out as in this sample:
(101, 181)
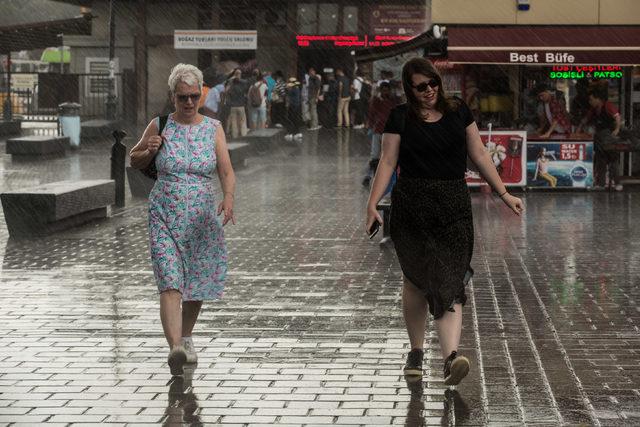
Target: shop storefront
(503, 65)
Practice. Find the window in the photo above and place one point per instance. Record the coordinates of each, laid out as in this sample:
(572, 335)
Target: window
(328, 18)
(307, 18)
(350, 19)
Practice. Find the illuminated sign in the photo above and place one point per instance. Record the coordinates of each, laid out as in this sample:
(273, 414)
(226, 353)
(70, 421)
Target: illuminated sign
(349, 41)
(586, 72)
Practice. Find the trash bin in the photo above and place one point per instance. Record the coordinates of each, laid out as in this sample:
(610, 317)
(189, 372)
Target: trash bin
(69, 113)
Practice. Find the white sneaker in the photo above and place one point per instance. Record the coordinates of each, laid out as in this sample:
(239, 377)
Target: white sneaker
(279, 125)
(176, 360)
(298, 136)
(619, 187)
(288, 137)
(189, 348)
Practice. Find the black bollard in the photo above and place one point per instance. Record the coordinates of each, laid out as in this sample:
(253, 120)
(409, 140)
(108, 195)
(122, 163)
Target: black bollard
(118, 157)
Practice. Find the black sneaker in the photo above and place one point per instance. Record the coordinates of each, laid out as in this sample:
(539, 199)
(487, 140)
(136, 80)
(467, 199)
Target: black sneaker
(455, 368)
(413, 366)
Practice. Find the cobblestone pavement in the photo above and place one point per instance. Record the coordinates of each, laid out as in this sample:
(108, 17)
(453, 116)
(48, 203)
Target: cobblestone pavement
(310, 329)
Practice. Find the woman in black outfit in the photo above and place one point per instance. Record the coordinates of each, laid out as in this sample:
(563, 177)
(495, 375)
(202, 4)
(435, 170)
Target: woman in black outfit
(430, 138)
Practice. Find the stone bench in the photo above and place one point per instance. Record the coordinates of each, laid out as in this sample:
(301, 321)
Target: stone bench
(37, 145)
(98, 129)
(384, 205)
(264, 137)
(55, 206)
(140, 185)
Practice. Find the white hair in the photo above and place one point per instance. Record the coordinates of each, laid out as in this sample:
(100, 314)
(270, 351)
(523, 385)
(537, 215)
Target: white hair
(185, 73)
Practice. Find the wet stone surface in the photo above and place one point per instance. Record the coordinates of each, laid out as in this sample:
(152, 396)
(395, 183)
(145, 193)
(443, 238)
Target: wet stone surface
(310, 329)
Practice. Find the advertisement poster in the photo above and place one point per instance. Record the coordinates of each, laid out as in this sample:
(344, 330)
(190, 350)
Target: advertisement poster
(215, 39)
(507, 150)
(401, 19)
(556, 164)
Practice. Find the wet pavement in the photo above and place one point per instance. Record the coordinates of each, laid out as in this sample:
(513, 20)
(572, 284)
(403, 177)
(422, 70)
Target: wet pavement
(310, 329)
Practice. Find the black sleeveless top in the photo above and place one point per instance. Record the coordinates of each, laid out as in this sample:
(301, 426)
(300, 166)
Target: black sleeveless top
(435, 150)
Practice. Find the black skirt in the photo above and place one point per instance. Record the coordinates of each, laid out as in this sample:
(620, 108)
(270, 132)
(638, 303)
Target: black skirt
(432, 230)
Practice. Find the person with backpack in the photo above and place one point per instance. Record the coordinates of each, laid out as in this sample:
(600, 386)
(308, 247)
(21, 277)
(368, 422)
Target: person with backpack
(236, 100)
(257, 97)
(186, 237)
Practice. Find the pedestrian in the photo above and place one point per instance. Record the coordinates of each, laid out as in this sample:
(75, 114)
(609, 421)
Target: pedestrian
(236, 98)
(188, 250)
(257, 97)
(555, 118)
(294, 109)
(344, 97)
(356, 103)
(213, 101)
(606, 121)
(429, 138)
(381, 106)
(278, 101)
(314, 88)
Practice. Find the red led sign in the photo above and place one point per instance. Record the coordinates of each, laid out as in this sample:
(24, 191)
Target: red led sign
(349, 41)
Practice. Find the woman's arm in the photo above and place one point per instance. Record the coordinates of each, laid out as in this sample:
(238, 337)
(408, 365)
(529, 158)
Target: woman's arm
(142, 153)
(535, 175)
(227, 177)
(480, 157)
(388, 163)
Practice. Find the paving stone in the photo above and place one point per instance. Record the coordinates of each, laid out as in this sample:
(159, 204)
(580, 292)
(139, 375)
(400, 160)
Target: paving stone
(310, 330)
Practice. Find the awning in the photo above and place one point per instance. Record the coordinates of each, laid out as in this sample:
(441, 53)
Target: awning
(544, 45)
(424, 40)
(39, 35)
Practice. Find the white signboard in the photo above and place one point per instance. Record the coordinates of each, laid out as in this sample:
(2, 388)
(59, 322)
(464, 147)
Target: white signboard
(215, 39)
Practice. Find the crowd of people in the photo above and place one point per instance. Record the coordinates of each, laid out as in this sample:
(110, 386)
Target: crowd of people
(269, 99)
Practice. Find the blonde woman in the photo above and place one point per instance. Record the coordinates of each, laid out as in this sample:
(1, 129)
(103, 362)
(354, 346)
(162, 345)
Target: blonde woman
(188, 250)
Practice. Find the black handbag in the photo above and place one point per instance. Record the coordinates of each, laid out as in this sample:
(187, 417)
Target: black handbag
(151, 171)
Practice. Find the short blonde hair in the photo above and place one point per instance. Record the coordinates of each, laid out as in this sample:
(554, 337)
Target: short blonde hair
(185, 73)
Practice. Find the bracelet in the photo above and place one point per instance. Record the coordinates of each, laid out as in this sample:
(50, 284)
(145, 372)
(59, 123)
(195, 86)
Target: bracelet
(500, 195)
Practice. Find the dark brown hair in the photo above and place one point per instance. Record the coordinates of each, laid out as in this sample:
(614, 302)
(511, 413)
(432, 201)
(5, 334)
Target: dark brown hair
(425, 67)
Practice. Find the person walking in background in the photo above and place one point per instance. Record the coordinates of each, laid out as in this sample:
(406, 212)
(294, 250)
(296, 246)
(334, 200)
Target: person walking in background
(257, 97)
(278, 101)
(294, 109)
(358, 108)
(188, 250)
(314, 90)
(213, 101)
(379, 110)
(344, 97)
(236, 97)
(429, 138)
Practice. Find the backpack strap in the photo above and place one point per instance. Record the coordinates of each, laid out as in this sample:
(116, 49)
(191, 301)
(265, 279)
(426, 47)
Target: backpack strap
(162, 122)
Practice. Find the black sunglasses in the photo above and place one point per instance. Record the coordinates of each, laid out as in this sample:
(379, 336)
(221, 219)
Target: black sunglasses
(192, 96)
(424, 85)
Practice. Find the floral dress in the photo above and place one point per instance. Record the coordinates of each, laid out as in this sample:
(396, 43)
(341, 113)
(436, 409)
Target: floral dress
(186, 238)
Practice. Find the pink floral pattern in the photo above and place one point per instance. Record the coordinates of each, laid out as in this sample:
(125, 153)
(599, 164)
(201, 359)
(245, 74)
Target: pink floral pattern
(186, 238)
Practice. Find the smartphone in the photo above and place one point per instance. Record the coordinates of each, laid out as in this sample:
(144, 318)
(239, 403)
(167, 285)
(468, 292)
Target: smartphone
(373, 230)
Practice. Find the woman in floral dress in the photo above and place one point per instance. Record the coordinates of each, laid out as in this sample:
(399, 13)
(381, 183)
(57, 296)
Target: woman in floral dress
(188, 250)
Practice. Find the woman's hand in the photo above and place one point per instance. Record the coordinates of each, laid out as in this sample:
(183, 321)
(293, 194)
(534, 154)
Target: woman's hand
(372, 215)
(153, 143)
(514, 203)
(226, 206)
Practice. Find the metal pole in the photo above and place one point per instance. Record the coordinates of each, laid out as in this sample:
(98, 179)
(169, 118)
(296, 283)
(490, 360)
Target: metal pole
(6, 108)
(111, 97)
(118, 158)
(61, 48)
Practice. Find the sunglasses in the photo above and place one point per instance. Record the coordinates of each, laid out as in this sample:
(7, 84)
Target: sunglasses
(192, 96)
(424, 85)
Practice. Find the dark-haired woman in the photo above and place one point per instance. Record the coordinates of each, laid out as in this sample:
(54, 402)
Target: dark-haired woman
(430, 138)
